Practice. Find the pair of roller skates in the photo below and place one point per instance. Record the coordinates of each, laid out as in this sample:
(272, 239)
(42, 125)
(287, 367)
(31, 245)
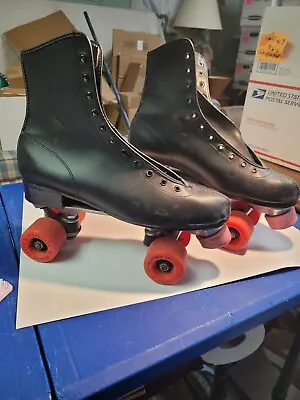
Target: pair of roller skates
(185, 169)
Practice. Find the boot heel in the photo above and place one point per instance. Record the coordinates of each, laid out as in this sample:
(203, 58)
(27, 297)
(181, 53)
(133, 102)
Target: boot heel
(41, 197)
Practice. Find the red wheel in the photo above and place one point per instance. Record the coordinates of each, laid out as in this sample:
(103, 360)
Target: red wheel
(255, 216)
(81, 216)
(241, 228)
(165, 261)
(184, 238)
(43, 239)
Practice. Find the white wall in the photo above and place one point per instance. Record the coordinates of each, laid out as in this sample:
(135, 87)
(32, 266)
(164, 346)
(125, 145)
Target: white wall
(104, 19)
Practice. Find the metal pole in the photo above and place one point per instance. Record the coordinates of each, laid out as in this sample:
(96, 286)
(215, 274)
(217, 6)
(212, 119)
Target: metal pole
(108, 73)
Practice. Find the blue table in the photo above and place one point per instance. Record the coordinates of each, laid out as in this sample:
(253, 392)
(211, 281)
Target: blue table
(115, 351)
(22, 372)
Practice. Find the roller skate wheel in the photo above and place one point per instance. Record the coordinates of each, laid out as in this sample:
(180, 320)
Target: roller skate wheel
(184, 238)
(241, 228)
(165, 261)
(282, 221)
(219, 239)
(81, 216)
(43, 239)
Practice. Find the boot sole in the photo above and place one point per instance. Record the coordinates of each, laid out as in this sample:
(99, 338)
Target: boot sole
(42, 197)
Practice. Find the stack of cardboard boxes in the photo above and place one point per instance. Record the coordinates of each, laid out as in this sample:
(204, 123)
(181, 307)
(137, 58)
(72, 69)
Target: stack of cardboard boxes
(250, 22)
(271, 115)
(128, 66)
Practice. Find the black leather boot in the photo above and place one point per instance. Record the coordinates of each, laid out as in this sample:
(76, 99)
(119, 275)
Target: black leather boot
(177, 125)
(71, 157)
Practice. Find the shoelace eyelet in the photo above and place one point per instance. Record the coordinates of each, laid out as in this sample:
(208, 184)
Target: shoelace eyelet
(149, 173)
(83, 58)
(163, 182)
(177, 188)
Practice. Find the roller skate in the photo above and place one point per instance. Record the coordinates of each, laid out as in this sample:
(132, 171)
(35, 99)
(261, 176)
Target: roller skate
(73, 161)
(178, 125)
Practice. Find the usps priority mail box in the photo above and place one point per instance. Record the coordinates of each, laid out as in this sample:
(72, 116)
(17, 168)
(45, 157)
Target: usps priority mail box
(271, 116)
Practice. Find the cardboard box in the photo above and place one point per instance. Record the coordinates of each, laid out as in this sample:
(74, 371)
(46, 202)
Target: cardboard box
(12, 92)
(250, 4)
(107, 93)
(122, 127)
(112, 111)
(120, 82)
(125, 59)
(242, 74)
(16, 82)
(253, 10)
(15, 77)
(133, 81)
(217, 85)
(252, 16)
(127, 42)
(249, 38)
(246, 57)
(32, 34)
(130, 100)
(121, 62)
(131, 47)
(271, 116)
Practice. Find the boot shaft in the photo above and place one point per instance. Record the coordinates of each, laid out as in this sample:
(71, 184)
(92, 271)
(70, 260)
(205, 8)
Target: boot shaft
(171, 75)
(57, 75)
(178, 125)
